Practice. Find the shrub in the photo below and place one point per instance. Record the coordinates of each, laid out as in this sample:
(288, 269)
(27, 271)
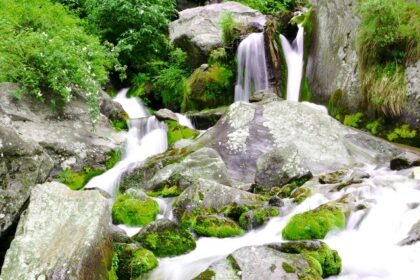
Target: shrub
(48, 53)
(272, 7)
(353, 120)
(228, 25)
(402, 132)
(375, 126)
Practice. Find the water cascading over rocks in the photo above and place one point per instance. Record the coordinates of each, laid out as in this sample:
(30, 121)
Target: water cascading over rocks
(252, 67)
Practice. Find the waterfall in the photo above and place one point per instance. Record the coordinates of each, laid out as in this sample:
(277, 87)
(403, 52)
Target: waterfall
(183, 120)
(146, 137)
(252, 67)
(293, 54)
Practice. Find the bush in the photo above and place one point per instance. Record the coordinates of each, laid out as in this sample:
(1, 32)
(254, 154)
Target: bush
(272, 7)
(48, 53)
(388, 39)
(228, 25)
(402, 132)
(137, 28)
(353, 120)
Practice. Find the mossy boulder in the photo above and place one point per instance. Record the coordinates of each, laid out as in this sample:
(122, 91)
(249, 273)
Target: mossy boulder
(177, 132)
(215, 226)
(324, 259)
(300, 194)
(314, 224)
(133, 211)
(130, 261)
(208, 87)
(256, 218)
(165, 238)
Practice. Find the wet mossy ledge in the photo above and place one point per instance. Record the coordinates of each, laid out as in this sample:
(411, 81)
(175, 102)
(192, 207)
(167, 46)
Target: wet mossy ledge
(76, 180)
(215, 226)
(133, 211)
(177, 132)
(131, 261)
(314, 224)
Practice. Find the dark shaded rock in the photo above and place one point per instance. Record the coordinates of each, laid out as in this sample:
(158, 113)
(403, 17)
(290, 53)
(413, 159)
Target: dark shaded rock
(207, 118)
(276, 201)
(264, 96)
(404, 161)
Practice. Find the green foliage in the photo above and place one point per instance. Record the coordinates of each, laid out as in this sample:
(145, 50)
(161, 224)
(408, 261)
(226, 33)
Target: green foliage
(168, 242)
(229, 26)
(177, 132)
(353, 120)
(388, 39)
(113, 158)
(77, 7)
(314, 224)
(137, 28)
(375, 126)
(211, 225)
(305, 91)
(134, 212)
(76, 180)
(402, 132)
(235, 211)
(48, 53)
(272, 7)
(119, 125)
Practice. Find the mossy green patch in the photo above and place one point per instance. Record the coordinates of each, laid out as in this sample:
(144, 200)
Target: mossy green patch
(288, 267)
(76, 180)
(166, 192)
(177, 132)
(207, 274)
(168, 242)
(235, 211)
(314, 224)
(214, 226)
(257, 217)
(300, 194)
(119, 125)
(113, 158)
(134, 212)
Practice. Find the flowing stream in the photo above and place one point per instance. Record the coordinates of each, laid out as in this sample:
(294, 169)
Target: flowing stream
(368, 246)
(293, 54)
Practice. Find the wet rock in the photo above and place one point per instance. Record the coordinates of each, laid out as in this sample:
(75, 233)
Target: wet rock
(216, 226)
(207, 118)
(256, 218)
(413, 236)
(63, 234)
(264, 96)
(165, 238)
(280, 166)
(276, 201)
(197, 31)
(202, 164)
(118, 235)
(343, 178)
(205, 194)
(166, 114)
(300, 194)
(404, 161)
(111, 109)
(262, 262)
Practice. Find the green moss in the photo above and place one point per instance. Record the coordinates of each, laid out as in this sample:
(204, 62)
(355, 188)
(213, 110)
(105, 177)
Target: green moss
(235, 211)
(257, 217)
(129, 261)
(233, 264)
(113, 158)
(177, 132)
(76, 180)
(215, 226)
(288, 267)
(300, 194)
(314, 224)
(207, 274)
(119, 125)
(166, 192)
(334, 103)
(134, 212)
(305, 91)
(375, 126)
(168, 242)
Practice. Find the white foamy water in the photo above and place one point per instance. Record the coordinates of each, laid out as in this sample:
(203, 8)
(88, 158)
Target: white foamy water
(293, 54)
(183, 120)
(146, 137)
(252, 67)
(368, 245)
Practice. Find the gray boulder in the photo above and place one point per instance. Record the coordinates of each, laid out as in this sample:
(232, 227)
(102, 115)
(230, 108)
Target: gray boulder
(197, 31)
(411, 111)
(205, 194)
(413, 236)
(280, 166)
(166, 114)
(264, 96)
(207, 118)
(23, 164)
(63, 234)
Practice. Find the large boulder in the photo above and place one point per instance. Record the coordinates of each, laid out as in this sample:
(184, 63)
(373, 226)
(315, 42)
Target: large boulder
(23, 164)
(63, 234)
(197, 31)
(411, 112)
(67, 137)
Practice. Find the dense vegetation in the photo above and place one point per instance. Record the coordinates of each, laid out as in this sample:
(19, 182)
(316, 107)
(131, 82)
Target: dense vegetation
(389, 39)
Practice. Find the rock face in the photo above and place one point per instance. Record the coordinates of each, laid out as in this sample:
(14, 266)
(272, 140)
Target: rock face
(23, 164)
(63, 234)
(197, 31)
(333, 61)
(205, 119)
(411, 111)
(68, 139)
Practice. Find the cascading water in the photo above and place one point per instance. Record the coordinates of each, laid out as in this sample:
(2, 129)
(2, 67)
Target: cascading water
(252, 67)
(146, 137)
(293, 54)
(368, 246)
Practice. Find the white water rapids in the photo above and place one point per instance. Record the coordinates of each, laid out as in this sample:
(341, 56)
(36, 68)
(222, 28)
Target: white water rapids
(368, 246)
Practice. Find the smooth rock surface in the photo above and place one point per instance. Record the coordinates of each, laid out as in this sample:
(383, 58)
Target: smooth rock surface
(63, 234)
(198, 31)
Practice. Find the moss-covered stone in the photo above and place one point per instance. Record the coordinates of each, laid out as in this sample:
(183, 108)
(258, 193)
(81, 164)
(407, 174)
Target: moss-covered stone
(235, 211)
(207, 274)
(314, 224)
(215, 226)
(300, 194)
(256, 218)
(166, 192)
(288, 267)
(165, 238)
(321, 258)
(177, 132)
(130, 261)
(134, 212)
